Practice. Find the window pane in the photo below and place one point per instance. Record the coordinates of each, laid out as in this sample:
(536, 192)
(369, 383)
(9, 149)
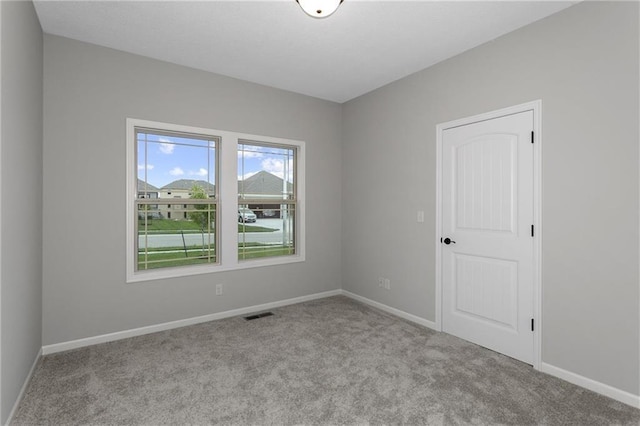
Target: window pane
(175, 232)
(266, 237)
(166, 242)
(266, 200)
(266, 172)
(170, 166)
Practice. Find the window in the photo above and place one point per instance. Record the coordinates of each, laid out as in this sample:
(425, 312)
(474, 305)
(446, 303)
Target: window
(266, 194)
(241, 201)
(162, 159)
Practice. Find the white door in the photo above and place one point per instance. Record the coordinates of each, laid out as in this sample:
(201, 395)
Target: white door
(487, 221)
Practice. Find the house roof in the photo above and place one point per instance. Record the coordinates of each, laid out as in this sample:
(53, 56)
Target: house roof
(146, 187)
(262, 183)
(187, 184)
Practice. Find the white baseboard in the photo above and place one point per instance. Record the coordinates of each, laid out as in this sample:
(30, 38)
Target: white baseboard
(394, 311)
(24, 388)
(110, 337)
(598, 387)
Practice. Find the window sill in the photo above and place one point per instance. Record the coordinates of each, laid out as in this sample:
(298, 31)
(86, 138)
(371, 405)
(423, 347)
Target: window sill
(159, 274)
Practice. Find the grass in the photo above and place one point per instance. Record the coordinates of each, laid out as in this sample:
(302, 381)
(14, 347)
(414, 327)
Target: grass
(178, 248)
(170, 226)
(255, 252)
(166, 259)
(175, 256)
(243, 227)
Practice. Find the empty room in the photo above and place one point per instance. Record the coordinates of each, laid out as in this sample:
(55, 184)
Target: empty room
(319, 212)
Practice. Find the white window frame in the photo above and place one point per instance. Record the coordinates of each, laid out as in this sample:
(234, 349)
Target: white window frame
(226, 216)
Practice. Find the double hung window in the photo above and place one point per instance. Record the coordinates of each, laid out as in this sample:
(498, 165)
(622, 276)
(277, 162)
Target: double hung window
(171, 234)
(267, 191)
(202, 200)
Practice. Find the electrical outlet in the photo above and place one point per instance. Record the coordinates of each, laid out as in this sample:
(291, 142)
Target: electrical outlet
(420, 216)
(380, 282)
(387, 283)
(218, 289)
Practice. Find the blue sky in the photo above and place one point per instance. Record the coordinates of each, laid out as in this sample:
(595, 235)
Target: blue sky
(169, 158)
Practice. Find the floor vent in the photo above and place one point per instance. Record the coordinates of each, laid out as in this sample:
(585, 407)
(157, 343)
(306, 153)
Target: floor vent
(256, 316)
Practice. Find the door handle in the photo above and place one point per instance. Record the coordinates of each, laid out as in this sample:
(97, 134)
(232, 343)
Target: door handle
(448, 241)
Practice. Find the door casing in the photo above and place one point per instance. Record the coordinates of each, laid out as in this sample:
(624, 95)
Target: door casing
(536, 107)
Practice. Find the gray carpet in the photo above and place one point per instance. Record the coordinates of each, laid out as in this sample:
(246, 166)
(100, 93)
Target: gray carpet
(329, 361)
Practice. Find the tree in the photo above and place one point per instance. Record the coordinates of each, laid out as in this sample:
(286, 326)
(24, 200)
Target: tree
(199, 217)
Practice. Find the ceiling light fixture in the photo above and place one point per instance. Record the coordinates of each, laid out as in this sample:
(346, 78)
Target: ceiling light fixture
(319, 8)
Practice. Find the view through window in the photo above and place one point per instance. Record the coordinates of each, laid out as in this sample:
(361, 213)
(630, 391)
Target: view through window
(266, 200)
(176, 199)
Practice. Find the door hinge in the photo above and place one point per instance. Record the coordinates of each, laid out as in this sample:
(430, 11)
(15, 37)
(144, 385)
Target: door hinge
(532, 234)
(532, 328)
(532, 136)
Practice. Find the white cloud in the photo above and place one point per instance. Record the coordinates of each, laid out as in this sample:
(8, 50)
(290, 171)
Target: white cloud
(273, 165)
(276, 167)
(201, 172)
(141, 166)
(249, 152)
(166, 147)
(176, 171)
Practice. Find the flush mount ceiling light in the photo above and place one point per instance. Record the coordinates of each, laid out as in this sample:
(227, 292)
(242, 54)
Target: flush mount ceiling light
(319, 8)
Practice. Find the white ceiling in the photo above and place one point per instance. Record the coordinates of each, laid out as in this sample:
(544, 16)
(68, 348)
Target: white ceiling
(363, 46)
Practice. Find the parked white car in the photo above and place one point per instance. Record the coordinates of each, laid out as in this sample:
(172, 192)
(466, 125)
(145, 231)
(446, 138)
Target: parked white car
(246, 215)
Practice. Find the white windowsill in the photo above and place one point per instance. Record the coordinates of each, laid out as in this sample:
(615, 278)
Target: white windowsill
(177, 272)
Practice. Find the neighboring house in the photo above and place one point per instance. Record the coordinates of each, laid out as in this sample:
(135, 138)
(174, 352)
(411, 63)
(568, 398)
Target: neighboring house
(181, 188)
(261, 186)
(146, 190)
(267, 186)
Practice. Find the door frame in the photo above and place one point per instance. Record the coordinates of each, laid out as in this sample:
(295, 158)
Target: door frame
(536, 107)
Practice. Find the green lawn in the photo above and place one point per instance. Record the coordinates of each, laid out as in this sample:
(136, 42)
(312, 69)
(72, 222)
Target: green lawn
(176, 256)
(164, 259)
(170, 226)
(255, 250)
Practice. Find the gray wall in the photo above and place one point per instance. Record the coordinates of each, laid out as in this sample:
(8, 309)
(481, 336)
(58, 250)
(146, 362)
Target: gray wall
(89, 92)
(583, 64)
(21, 177)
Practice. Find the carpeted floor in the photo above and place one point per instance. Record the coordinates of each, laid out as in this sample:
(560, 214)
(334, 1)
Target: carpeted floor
(329, 361)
